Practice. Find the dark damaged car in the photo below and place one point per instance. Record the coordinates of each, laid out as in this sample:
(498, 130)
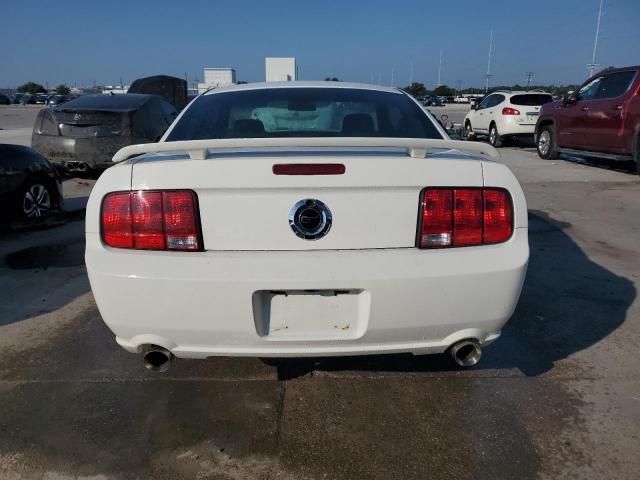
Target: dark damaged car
(30, 187)
(84, 134)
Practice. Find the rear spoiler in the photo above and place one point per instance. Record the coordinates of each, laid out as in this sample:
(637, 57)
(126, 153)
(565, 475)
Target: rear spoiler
(201, 149)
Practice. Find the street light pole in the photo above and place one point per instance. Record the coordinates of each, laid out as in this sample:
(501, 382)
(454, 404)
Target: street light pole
(488, 76)
(592, 66)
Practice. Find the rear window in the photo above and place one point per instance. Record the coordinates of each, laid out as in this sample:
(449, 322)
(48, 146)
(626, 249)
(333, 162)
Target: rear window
(531, 100)
(303, 112)
(128, 101)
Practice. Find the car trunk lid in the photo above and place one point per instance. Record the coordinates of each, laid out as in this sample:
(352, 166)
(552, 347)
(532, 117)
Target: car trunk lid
(244, 205)
(88, 123)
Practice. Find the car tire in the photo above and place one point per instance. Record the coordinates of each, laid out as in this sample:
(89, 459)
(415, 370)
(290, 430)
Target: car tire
(35, 200)
(546, 143)
(468, 131)
(494, 137)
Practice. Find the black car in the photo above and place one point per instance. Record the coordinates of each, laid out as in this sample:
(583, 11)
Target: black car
(30, 186)
(83, 134)
(4, 100)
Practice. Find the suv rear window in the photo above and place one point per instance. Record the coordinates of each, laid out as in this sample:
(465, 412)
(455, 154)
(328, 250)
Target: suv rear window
(531, 99)
(303, 112)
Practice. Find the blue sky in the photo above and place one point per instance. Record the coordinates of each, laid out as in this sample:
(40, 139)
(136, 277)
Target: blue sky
(77, 42)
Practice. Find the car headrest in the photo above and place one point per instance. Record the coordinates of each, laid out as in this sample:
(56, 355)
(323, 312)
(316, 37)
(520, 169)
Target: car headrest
(357, 124)
(249, 127)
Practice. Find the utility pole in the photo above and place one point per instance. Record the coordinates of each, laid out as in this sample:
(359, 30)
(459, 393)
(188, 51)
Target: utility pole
(488, 76)
(410, 73)
(392, 72)
(592, 66)
(529, 77)
(379, 79)
(439, 69)
(459, 86)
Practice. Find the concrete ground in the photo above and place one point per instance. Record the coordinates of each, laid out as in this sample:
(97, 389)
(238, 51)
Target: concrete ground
(558, 396)
(16, 123)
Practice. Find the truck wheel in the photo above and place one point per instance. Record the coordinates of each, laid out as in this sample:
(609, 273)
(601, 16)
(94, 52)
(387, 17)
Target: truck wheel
(546, 144)
(494, 137)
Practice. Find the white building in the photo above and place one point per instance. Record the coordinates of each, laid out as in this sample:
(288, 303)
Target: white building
(115, 89)
(280, 69)
(217, 77)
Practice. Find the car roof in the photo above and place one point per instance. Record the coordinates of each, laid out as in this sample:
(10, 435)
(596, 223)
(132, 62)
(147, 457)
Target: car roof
(521, 92)
(618, 69)
(611, 70)
(302, 84)
(120, 102)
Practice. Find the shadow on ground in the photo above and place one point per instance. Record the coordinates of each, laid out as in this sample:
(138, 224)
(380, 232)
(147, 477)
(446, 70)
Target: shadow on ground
(568, 304)
(42, 267)
(623, 166)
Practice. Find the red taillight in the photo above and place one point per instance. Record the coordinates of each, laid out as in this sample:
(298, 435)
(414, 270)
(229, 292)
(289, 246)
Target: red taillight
(151, 220)
(510, 111)
(437, 218)
(148, 229)
(467, 217)
(117, 228)
(458, 217)
(497, 216)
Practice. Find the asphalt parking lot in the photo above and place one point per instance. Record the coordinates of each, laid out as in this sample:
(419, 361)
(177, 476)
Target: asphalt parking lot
(558, 396)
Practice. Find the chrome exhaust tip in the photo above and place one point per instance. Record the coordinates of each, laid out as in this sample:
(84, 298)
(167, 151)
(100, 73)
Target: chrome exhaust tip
(157, 359)
(466, 353)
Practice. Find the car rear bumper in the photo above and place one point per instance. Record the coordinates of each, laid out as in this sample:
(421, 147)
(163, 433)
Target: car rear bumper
(218, 303)
(95, 152)
(512, 126)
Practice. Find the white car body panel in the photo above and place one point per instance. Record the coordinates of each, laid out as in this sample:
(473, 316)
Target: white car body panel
(362, 289)
(374, 204)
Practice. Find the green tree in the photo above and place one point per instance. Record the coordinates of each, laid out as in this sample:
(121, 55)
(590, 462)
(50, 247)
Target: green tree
(31, 88)
(443, 91)
(331, 79)
(63, 90)
(416, 89)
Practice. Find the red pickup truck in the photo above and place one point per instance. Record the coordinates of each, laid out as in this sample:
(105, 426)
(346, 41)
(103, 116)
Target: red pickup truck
(601, 119)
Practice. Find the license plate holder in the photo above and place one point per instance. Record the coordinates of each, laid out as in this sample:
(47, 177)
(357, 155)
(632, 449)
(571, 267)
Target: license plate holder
(310, 314)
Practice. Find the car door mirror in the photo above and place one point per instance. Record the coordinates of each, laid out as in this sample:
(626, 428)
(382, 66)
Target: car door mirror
(571, 98)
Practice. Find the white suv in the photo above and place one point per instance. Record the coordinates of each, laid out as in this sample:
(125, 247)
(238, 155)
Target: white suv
(505, 114)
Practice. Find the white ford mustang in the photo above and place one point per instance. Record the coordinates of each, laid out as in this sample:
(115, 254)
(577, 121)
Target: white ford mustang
(306, 219)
